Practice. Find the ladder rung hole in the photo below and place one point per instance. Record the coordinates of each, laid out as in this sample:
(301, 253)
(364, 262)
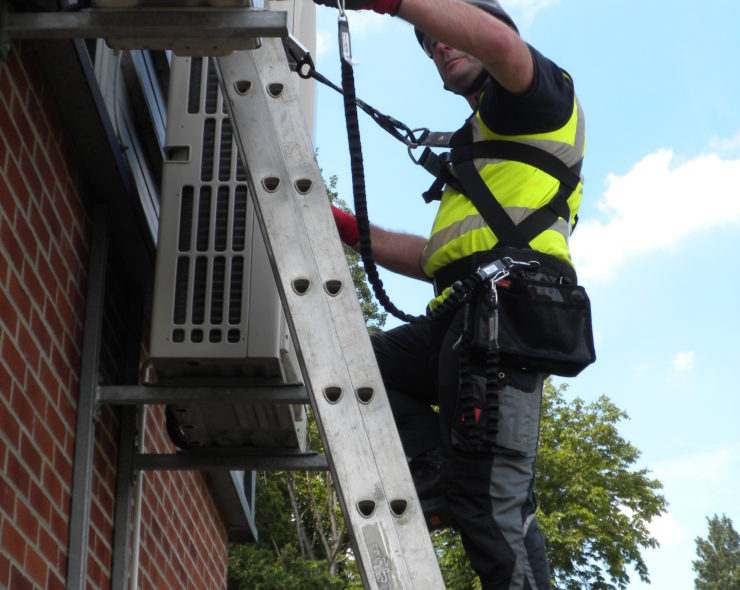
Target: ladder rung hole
(398, 507)
(333, 394)
(271, 183)
(242, 86)
(366, 508)
(303, 185)
(333, 287)
(365, 394)
(301, 286)
(275, 89)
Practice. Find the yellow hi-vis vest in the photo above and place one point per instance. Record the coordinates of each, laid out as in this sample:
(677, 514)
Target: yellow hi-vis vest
(459, 230)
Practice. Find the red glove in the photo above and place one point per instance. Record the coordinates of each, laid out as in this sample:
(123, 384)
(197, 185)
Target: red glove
(347, 226)
(386, 6)
(381, 6)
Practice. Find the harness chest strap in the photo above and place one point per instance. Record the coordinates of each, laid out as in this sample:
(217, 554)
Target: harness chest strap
(468, 181)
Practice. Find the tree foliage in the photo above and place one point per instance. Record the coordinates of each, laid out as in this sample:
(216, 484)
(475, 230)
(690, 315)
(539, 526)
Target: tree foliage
(718, 563)
(453, 562)
(594, 508)
(303, 542)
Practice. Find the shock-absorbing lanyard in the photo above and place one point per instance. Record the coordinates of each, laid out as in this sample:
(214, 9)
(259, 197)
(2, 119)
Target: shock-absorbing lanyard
(357, 168)
(302, 63)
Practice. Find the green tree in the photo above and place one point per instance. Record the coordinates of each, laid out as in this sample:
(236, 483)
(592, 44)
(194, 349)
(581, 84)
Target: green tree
(718, 563)
(594, 508)
(453, 562)
(303, 542)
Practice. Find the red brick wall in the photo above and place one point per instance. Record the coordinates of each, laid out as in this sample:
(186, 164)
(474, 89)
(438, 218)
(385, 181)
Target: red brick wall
(44, 237)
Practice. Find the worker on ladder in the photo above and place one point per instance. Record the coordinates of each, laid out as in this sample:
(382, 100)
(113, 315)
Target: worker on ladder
(478, 473)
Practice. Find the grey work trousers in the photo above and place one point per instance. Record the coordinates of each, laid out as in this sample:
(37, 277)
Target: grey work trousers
(491, 495)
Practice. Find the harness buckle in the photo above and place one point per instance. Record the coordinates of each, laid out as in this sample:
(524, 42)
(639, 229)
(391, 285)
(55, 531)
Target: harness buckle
(501, 268)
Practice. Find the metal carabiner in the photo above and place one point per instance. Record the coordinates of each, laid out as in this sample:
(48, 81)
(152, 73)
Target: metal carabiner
(529, 265)
(299, 57)
(495, 271)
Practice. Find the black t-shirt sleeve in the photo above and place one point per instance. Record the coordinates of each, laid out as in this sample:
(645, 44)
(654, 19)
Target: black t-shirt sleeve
(545, 107)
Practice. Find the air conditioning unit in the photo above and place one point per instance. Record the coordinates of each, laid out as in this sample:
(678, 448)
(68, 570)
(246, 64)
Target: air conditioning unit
(217, 317)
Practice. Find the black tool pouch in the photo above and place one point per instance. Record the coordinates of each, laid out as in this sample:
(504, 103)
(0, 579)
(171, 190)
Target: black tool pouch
(544, 325)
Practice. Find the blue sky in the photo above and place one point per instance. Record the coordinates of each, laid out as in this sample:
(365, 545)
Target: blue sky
(660, 222)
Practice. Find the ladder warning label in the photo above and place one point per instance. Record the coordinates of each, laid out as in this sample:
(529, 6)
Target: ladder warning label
(381, 563)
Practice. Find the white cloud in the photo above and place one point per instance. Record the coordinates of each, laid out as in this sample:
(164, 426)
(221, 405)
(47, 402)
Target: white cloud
(683, 361)
(655, 206)
(666, 530)
(724, 145)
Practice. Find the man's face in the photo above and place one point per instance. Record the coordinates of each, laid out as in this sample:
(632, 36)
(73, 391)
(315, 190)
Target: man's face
(457, 69)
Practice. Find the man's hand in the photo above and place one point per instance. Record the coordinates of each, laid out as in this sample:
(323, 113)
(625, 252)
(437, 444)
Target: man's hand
(380, 6)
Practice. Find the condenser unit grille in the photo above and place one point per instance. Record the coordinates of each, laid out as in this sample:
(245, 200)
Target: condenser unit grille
(215, 296)
(212, 228)
(212, 293)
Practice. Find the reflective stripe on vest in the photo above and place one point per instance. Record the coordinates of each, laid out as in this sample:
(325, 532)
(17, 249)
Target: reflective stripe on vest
(459, 230)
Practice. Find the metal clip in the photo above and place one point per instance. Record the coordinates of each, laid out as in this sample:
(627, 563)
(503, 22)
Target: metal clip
(298, 57)
(437, 139)
(345, 44)
(530, 265)
(493, 316)
(494, 271)
(500, 269)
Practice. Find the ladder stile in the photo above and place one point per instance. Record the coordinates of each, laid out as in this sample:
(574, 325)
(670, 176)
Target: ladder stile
(390, 539)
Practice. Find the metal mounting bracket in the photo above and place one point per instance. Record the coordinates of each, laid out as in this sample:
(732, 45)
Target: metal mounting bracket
(187, 31)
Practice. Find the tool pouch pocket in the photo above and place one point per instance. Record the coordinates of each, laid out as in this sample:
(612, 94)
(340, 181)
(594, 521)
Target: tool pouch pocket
(543, 325)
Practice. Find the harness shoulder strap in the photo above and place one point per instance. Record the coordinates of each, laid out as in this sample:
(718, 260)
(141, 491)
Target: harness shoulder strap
(465, 151)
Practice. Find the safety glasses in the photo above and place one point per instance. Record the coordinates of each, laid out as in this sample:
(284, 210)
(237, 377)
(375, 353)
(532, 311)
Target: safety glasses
(428, 44)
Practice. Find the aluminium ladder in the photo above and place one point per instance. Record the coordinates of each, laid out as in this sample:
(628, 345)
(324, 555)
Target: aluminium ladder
(364, 452)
